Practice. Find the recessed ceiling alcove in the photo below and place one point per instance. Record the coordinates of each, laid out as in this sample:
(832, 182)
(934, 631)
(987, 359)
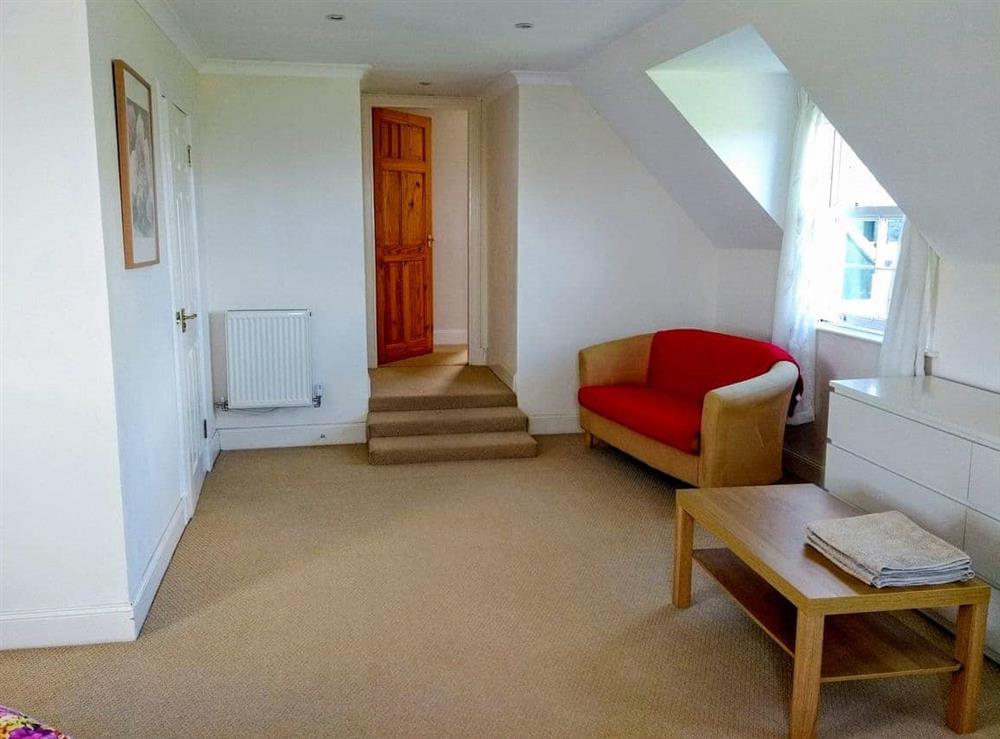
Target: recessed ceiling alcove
(739, 97)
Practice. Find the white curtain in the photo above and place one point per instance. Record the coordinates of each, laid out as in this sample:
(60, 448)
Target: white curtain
(908, 326)
(804, 247)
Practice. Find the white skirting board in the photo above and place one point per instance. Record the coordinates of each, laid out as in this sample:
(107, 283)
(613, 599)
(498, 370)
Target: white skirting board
(157, 566)
(507, 377)
(67, 626)
(802, 466)
(268, 437)
(114, 622)
(212, 448)
(555, 424)
(448, 337)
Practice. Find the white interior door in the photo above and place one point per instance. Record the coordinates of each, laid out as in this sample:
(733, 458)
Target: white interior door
(190, 321)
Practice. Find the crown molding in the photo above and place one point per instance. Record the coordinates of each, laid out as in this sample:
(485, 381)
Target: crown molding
(498, 87)
(521, 78)
(284, 69)
(170, 25)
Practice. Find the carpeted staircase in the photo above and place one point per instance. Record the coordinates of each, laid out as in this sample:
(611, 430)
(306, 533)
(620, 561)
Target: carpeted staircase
(436, 414)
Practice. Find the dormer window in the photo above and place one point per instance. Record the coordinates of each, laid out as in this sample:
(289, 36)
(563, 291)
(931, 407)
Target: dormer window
(864, 246)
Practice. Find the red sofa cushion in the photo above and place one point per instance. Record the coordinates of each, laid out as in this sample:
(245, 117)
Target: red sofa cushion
(670, 419)
(690, 362)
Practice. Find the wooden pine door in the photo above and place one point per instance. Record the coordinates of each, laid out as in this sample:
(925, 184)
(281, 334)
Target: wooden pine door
(403, 234)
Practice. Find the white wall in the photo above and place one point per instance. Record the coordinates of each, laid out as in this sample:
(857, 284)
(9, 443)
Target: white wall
(745, 280)
(914, 87)
(966, 339)
(929, 70)
(603, 252)
(838, 357)
(61, 529)
(967, 324)
(748, 118)
(897, 80)
(450, 167)
(616, 83)
(500, 145)
(280, 199)
(142, 323)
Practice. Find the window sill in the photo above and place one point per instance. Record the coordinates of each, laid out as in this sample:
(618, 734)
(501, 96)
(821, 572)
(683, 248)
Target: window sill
(854, 333)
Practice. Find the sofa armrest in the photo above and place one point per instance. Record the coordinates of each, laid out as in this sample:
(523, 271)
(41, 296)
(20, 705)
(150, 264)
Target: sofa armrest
(743, 429)
(616, 362)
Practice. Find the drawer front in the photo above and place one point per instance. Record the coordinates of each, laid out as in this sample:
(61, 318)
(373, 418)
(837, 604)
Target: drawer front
(930, 457)
(873, 489)
(984, 480)
(982, 543)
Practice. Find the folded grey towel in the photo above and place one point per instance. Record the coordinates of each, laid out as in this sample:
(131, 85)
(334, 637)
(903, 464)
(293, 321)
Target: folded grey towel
(888, 549)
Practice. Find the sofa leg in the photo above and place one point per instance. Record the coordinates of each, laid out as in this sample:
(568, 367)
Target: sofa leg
(588, 440)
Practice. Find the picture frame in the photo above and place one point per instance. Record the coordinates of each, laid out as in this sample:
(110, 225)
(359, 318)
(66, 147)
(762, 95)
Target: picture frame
(136, 166)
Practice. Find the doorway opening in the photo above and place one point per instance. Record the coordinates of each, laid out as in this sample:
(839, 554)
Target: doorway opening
(422, 231)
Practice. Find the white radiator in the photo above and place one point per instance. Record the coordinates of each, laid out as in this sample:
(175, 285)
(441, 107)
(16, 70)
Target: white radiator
(269, 358)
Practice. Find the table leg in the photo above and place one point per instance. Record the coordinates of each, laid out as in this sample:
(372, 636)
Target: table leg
(963, 698)
(805, 680)
(683, 548)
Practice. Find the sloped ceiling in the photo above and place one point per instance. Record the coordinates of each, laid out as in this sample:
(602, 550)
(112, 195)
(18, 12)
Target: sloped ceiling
(743, 102)
(616, 84)
(914, 87)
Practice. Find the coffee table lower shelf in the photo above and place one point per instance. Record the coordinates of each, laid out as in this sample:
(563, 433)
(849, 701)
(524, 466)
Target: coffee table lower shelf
(856, 646)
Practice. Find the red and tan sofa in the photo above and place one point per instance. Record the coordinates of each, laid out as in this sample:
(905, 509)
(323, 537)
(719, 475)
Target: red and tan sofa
(705, 407)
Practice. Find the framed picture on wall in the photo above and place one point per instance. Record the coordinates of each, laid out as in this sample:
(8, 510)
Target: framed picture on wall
(136, 168)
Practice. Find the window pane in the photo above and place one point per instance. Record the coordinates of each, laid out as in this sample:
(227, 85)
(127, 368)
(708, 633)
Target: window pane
(895, 230)
(858, 283)
(855, 185)
(860, 261)
(866, 268)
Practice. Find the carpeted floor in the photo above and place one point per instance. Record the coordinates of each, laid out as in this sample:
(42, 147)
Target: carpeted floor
(314, 595)
(443, 354)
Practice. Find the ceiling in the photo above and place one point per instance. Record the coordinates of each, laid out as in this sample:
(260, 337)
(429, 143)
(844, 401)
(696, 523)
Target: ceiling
(460, 46)
(742, 49)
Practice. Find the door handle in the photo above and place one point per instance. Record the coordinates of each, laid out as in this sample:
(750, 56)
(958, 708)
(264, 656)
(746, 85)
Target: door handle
(182, 318)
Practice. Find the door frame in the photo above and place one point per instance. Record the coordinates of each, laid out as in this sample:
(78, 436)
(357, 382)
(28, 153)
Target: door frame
(477, 262)
(166, 188)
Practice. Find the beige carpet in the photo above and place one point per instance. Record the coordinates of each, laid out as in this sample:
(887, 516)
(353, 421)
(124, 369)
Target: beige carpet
(449, 414)
(446, 421)
(435, 388)
(444, 354)
(314, 595)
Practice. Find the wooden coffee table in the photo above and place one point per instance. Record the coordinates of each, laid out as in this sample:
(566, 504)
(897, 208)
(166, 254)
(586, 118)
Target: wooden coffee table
(832, 624)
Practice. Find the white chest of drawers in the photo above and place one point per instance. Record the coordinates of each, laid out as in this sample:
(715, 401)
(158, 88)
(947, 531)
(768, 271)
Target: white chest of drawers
(929, 448)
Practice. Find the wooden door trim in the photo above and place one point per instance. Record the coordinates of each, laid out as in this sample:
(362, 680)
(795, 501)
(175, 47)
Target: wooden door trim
(477, 293)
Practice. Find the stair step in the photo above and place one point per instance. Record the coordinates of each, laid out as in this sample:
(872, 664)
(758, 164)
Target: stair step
(437, 388)
(446, 421)
(447, 447)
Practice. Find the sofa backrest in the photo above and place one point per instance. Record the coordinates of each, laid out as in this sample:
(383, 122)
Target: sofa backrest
(690, 362)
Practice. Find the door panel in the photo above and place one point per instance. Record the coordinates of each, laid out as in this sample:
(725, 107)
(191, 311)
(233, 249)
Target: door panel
(403, 234)
(414, 229)
(414, 138)
(187, 298)
(415, 302)
(390, 204)
(394, 294)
